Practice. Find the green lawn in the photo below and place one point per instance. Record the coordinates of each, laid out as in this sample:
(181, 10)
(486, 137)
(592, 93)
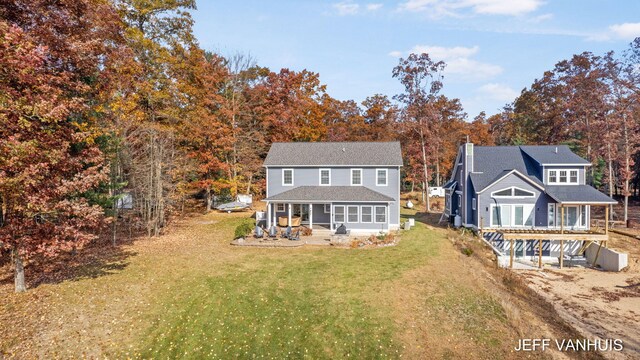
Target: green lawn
(192, 295)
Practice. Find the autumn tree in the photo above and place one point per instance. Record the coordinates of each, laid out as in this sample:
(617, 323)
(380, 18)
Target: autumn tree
(422, 80)
(53, 66)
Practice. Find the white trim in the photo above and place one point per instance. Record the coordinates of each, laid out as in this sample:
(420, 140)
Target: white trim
(473, 204)
(351, 177)
(266, 174)
(325, 208)
(587, 164)
(568, 176)
(524, 177)
(370, 214)
(584, 202)
(357, 214)
(512, 196)
(375, 214)
(320, 176)
(386, 177)
(292, 178)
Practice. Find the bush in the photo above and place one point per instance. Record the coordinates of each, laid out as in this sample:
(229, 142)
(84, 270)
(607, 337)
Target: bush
(467, 251)
(244, 228)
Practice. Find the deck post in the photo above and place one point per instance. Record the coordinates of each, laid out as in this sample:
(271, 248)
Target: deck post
(540, 253)
(606, 220)
(289, 214)
(561, 219)
(268, 215)
(561, 253)
(511, 255)
(597, 254)
(310, 216)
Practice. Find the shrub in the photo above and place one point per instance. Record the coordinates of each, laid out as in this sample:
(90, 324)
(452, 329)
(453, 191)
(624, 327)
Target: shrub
(242, 230)
(467, 251)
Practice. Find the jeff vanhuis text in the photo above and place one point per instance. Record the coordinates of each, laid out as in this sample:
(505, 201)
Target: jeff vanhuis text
(570, 344)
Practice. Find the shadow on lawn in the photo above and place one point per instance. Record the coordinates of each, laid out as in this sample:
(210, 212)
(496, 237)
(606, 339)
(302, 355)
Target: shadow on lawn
(94, 260)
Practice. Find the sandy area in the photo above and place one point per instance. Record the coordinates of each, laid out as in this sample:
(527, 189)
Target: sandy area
(599, 304)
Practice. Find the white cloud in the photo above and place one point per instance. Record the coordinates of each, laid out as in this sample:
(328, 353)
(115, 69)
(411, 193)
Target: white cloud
(350, 8)
(346, 8)
(626, 31)
(458, 59)
(499, 92)
(438, 8)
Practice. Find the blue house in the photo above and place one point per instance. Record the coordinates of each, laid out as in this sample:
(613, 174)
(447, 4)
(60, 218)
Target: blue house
(519, 193)
(327, 184)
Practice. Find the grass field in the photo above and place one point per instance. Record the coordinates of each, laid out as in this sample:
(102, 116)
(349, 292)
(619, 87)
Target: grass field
(190, 294)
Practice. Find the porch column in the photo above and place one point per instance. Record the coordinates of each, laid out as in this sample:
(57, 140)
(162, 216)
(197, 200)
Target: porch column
(289, 214)
(330, 217)
(561, 219)
(606, 220)
(310, 216)
(561, 253)
(268, 215)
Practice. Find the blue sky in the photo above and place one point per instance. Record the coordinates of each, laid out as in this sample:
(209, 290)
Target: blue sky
(493, 48)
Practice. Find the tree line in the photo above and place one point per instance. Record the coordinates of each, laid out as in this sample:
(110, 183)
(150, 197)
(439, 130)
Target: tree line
(105, 98)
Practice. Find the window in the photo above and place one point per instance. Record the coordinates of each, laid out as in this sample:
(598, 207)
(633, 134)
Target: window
(338, 214)
(280, 207)
(352, 214)
(551, 215)
(573, 176)
(381, 177)
(381, 214)
(325, 177)
(356, 176)
(563, 176)
(512, 215)
(327, 208)
(473, 203)
(287, 177)
(513, 192)
(366, 214)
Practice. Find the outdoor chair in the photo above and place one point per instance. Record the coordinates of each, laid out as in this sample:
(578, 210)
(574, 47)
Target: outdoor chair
(258, 232)
(295, 236)
(273, 232)
(286, 234)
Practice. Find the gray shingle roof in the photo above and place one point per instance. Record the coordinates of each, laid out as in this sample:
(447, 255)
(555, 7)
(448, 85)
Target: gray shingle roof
(330, 193)
(334, 154)
(577, 194)
(553, 154)
(492, 162)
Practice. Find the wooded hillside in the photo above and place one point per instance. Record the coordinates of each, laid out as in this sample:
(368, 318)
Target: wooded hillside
(101, 98)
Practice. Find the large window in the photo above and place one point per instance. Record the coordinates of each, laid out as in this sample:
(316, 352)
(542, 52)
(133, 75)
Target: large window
(356, 176)
(366, 214)
(513, 192)
(287, 177)
(381, 177)
(338, 214)
(325, 177)
(381, 214)
(562, 176)
(511, 215)
(352, 214)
